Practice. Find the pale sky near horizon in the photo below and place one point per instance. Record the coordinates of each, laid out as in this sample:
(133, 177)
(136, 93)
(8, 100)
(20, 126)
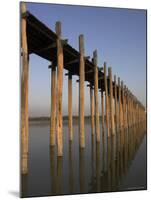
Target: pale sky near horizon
(119, 35)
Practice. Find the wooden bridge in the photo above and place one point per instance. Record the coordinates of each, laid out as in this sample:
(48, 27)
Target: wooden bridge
(122, 108)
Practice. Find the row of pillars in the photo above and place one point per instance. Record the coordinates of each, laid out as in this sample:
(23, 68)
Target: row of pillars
(122, 109)
(126, 111)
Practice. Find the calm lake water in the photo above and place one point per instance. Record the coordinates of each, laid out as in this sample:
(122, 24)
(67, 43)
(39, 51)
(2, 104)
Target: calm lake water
(115, 164)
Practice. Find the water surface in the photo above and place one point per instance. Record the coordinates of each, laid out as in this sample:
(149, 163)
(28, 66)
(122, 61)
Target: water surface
(114, 164)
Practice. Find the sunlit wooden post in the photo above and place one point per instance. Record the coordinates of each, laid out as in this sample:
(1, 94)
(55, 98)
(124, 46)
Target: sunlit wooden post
(24, 93)
(92, 108)
(102, 106)
(116, 108)
(111, 101)
(122, 104)
(81, 92)
(97, 124)
(128, 108)
(70, 106)
(106, 100)
(59, 89)
(53, 106)
(125, 106)
(119, 101)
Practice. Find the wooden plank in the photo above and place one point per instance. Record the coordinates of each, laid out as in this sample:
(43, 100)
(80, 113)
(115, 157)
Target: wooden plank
(24, 94)
(92, 109)
(106, 100)
(97, 123)
(70, 107)
(102, 106)
(81, 92)
(111, 101)
(116, 107)
(53, 106)
(122, 104)
(119, 102)
(59, 89)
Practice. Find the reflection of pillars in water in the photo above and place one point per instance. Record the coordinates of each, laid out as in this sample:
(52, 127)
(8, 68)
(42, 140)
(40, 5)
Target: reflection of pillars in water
(125, 151)
(59, 175)
(117, 157)
(121, 150)
(82, 170)
(71, 169)
(53, 170)
(103, 151)
(93, 155)
(24, 185)
(108, 163)
(113, 183)
(98, 167)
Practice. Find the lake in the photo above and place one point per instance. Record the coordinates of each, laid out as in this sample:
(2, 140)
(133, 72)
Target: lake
(117, 163)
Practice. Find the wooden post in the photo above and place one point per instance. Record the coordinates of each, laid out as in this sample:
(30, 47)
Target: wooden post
(81, 92)
(102, 105)
(59, 89)
(116, 108)
(53, 106)
(111, 100)
(24, 94)
(70, 106)
(96, 96)
(119, 100)
(92, 109)
(106, 100)
(122, 104)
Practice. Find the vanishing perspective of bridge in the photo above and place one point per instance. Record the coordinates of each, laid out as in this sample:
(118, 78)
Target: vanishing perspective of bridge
(122, 109)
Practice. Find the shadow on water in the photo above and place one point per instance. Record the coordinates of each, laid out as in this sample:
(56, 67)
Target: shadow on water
(100, 167)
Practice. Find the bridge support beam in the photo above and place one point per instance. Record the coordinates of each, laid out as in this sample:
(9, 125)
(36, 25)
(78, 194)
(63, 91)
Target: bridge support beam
(119, 102)
(111, 101)
(59, 89)
(97, 124)
(53, 106)
(102, 106)
(81, 92)
(92, 109)
(24, 94)
(106, 101)
(115, 101)
(70, 106)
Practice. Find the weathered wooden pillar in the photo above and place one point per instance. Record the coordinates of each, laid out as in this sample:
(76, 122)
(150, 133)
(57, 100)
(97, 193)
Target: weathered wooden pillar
(59, 89)
(102, 106)
(92, 108)
(119, 101)
(122, 104)
(115, 98)
(106, 100)
(81, 92)
(53, 106)
(125, 106)
(70, 106)
(97, 124)
(24, 93)
(111, 101)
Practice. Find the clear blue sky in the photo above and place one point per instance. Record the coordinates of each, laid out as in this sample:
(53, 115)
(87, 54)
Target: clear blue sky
(119, 35)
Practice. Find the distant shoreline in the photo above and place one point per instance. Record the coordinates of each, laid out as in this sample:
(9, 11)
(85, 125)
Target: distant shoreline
(64, 118)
